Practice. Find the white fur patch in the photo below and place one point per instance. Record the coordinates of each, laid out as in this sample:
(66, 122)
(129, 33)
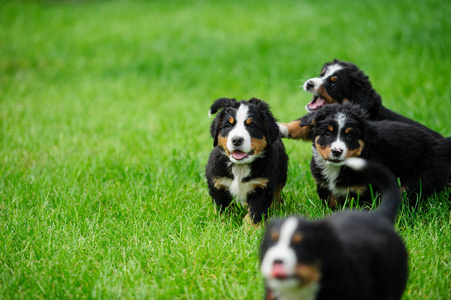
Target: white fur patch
(240, 131)
(318, 81)
(236, 187)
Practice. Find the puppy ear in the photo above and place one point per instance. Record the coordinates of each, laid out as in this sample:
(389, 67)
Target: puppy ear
(370, 133)
(272, 129)
(219, 104)
(307, 120)
(363, 93)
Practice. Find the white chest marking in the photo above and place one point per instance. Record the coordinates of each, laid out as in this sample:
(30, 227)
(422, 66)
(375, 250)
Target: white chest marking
(330, 173)
(236, 187)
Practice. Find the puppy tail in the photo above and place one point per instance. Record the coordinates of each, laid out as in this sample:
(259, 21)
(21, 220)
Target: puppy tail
(385, 180)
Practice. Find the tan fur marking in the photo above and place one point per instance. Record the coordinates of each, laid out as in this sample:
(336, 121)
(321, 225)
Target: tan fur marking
(259, 183)
(323, 71)
(334, 78)
(258, 145)
(330, 128)
(277, 195)
(323, 93)
(346, 101)
(222, 142)
(348, 130)
(334, 202)
(323, 151)
(297, 238)
(274, 235)
(361, 190)
(308, 273)
(231, 120)
(296, 132)
(217, 182)
(249, 121)
(356, 152)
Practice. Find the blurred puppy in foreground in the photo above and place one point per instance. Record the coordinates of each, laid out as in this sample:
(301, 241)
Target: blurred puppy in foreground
(349, 255)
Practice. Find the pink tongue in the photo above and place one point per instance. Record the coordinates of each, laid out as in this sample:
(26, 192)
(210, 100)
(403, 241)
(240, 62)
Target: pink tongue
(278, 271)
(317, 103)
(237, 154)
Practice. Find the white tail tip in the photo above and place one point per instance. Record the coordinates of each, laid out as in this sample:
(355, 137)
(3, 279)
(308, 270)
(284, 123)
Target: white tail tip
(355, 163)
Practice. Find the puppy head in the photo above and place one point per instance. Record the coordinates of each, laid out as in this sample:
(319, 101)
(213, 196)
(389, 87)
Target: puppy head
(339, 132)
(291, 256)
(340, 82)
(243, 129)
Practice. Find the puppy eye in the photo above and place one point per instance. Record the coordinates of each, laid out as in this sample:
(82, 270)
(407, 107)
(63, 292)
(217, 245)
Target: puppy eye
(332, 84)
(228, 125)
(328, 133)
(350, 136)
(252, 126)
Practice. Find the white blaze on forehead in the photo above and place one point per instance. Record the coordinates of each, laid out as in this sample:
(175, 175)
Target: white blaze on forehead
(282, 250)
(240, 130)
(318, 81)
(338, 143)
(331, 70)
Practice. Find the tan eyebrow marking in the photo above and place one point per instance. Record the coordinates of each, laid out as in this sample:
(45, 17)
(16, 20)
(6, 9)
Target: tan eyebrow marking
(249, 121)
(348, 130)
(297, 238)
(323, 71)
(330, 128)
(231, 120)
(334, 78)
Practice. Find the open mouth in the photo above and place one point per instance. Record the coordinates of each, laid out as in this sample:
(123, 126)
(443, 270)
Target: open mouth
(316, 103)
(240, 155)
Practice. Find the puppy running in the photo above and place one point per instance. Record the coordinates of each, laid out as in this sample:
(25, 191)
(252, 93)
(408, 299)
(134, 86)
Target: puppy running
(349, 255)
(420, 160)
(248, 162)
(343, 82)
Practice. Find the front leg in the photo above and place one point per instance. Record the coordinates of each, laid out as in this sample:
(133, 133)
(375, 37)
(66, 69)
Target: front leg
(259, 203)
(221, 198)
(297, 129)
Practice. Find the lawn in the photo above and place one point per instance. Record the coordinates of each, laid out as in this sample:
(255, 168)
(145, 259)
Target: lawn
(105, 135)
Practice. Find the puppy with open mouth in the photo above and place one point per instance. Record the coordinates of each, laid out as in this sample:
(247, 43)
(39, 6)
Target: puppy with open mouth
(343, 82)
(248, 164)
(351, 255)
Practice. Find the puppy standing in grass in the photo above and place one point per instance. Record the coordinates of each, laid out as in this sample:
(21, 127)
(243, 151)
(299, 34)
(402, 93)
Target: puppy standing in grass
(420, 160)
(248, 163)
(349, 255)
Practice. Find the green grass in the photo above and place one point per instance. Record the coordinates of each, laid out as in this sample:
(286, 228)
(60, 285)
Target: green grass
(104, 135)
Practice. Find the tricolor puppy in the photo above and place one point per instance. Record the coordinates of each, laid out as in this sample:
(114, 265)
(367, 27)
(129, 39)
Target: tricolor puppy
(349, 255)
(419, 159)
(343, 82)
(248, 164)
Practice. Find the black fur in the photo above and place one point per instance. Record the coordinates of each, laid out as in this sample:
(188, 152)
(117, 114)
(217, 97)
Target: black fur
(352, 85)
(419, 159)
(357, 254)
(270, 165)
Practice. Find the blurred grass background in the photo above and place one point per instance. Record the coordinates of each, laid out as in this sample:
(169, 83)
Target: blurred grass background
(104, 135)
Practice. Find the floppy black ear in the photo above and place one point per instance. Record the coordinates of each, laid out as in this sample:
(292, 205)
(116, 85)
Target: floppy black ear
(370, 133)
(307, 120)
(272, 129)
(219, 104)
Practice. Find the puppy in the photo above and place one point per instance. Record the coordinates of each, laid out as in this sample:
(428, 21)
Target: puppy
(343, 82)
(419, 159)
(248, 163)
(349, 255)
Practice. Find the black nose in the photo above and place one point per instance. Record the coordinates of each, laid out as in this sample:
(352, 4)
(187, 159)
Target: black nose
(309, 85)
(336, 152)
(236, 141)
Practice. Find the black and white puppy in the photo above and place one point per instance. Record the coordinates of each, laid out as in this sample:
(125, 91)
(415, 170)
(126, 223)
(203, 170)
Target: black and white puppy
(343, 82)
(349, 255)
(419, 159)
(248, 163)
